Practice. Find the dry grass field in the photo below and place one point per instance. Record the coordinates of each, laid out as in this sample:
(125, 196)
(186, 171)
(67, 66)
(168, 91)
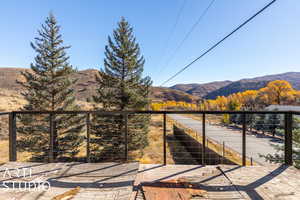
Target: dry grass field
(4, 152)
(153, 153)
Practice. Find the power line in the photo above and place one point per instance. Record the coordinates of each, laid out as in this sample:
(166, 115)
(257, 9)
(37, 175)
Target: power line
(189, 32)
(173, 28)
(215, 45)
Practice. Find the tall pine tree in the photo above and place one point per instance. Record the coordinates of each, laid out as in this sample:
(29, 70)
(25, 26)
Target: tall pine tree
(47, 87)
(120, 87)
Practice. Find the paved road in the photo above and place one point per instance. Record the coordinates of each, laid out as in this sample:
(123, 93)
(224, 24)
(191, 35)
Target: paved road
(255, 144)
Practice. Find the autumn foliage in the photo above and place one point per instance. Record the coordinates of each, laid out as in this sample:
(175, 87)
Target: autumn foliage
(167, 105)
(276, 92)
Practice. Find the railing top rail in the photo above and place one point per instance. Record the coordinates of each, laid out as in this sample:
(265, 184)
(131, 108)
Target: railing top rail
(152, 112)
(5, 113)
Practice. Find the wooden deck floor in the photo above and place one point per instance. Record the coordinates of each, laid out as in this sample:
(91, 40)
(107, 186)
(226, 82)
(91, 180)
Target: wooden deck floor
(253, 182)
(121, 181)
(99, 181)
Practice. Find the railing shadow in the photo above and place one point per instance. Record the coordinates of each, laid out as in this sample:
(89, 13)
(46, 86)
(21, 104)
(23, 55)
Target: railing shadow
(67, 177)
(179, 153)
(249, 189)
(103, 181)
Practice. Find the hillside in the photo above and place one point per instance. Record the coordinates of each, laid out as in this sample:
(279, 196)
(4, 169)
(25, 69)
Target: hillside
(224, 88)
(255, 83)
(85, 86)
(185, 87)
(167, 94)
(292, 77)
(238, 86)
(8, 77)
(201, 90)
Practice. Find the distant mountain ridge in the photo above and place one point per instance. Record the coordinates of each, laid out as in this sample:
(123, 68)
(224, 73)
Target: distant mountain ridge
(192, 93)
(169, 94)
(86, 86)
(237, 86)
(224, 88)
(201, 90)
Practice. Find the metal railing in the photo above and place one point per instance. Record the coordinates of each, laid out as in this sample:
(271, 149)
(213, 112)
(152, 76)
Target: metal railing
(288, 123)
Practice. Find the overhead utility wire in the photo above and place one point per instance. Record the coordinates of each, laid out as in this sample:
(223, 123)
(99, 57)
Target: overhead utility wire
(189, 32)
(173, 29)
(215, 45)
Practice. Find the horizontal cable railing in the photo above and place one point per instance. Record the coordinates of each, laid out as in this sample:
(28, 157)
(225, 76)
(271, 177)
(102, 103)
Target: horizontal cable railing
(205, 147)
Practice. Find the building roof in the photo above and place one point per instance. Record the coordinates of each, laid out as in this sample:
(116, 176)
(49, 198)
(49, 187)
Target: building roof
(283, 108)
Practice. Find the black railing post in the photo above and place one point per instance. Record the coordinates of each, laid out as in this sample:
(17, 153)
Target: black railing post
(12, 137)
(223, 151)
(244, 140)
(288, 141)
(51, 144)
(126, 135)
(165, 139)
(203, 139)
(55, 141)
(88, 137)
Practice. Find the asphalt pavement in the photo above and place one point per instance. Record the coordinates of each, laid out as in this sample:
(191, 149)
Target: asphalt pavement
(256, 144)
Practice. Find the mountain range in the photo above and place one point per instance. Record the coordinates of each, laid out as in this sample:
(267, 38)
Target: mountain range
(86, 85)
(224, 88)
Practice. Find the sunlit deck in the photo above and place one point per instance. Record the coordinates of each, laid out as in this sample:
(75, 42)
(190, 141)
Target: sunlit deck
(122, 181)
(251, 182)
(96, 181)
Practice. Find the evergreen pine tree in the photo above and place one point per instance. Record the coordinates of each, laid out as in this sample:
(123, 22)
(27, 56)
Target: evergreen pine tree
(47, 87)
(120, 87)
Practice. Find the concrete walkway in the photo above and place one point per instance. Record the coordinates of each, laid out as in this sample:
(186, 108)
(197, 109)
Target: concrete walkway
(255, 144)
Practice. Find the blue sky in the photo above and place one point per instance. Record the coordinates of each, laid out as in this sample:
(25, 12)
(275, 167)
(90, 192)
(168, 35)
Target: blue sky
(268, 45)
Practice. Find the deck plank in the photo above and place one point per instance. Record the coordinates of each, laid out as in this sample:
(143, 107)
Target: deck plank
(111, 181)
(252, 182)
(121, 181)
